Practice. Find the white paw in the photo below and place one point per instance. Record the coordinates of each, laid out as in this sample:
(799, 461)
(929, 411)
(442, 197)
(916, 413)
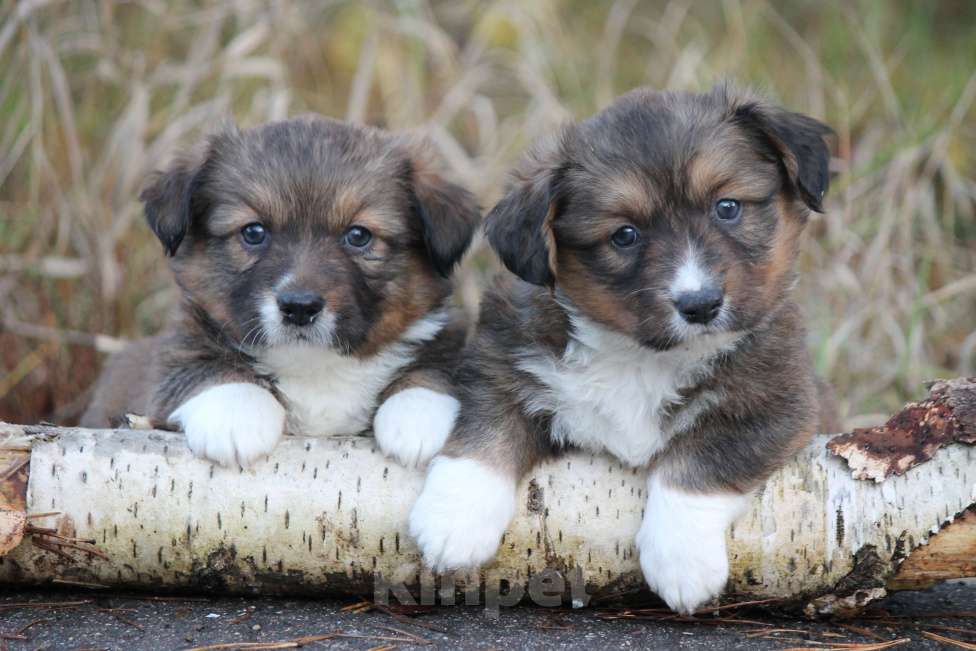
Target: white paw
(682, 544)
(461, 514)
(231, 424)
(412, 426)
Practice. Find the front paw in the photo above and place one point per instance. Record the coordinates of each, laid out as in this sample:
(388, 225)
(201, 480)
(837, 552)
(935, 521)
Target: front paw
(231, 424)
(681, 544)
(685, 573)
(461, 514)
(412, 426)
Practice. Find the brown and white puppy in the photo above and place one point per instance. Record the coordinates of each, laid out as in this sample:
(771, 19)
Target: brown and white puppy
(314, 260)
(655, 244)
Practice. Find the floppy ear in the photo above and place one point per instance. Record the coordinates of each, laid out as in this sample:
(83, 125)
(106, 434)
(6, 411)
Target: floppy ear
(800, 142)
(167, 201)
(519, 227)
(448, 213)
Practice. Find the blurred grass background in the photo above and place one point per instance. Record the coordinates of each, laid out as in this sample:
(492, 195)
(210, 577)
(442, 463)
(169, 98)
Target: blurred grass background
(93, 95)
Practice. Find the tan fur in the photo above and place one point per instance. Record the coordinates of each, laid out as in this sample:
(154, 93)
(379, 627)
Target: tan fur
(627, 194)
(605, 307)
(727, 167)
(784, 247)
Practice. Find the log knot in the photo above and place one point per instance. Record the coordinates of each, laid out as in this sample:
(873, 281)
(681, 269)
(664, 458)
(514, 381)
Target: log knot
(859, 587)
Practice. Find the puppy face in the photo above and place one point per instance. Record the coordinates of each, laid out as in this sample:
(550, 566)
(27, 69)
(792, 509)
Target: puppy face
(668, 215)
(311, 231)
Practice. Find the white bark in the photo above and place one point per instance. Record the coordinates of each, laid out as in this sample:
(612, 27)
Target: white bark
(327, 514)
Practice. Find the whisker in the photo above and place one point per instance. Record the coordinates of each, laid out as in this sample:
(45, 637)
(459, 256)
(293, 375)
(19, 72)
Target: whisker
(257, 331)
(638, 291)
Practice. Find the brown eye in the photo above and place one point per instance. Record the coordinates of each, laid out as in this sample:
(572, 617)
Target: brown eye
(728, 210)
(254, 234)
(358, 237)
(625, 237)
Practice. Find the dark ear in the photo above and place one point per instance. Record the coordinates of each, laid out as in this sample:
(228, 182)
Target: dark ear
(801, 143)
(449, 214)
(167, 201)
(519, 227)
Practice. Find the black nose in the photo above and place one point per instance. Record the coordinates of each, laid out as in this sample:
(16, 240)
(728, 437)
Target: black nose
(300, 308)
(699, 307)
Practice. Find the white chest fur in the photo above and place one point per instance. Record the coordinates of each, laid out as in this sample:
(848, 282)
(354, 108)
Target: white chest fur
(609, 393)
(330, 394)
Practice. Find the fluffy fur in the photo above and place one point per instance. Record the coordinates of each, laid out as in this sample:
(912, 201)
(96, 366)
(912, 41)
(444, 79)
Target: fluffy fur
(653, 246)
(314, 259)
(331, 393)
(608, 393)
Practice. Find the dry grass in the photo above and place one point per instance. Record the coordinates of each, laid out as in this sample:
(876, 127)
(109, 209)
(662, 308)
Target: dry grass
(95, 94)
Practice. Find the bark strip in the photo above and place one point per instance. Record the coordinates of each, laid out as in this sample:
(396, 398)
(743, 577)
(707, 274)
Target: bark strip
(914, 434)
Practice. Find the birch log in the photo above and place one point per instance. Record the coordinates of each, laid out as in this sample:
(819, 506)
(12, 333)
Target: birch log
(328, 515)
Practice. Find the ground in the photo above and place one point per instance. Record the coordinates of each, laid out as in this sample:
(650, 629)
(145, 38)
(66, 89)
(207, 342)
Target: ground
(73, 620)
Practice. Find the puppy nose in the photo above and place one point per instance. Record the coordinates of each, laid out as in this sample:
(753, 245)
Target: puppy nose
(300, 308)
(700, 306)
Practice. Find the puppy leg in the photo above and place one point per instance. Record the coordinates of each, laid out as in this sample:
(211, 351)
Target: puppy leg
(468, 498)
(235, 423)
(681, 542)
(701, 484)
(414, 423)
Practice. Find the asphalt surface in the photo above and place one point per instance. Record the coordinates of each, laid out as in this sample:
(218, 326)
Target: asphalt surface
(86, 620)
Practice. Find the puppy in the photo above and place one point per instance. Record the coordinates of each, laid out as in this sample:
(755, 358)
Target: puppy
(654, 245)
(314, 259)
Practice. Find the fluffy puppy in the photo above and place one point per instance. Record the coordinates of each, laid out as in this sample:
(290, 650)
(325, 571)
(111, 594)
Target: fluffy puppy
(654, 245)
(314, 260)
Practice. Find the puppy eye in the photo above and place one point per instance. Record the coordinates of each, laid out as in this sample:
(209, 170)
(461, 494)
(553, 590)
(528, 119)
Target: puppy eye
(626, 236)
(254, 234)
(358, 237)
(728, 210)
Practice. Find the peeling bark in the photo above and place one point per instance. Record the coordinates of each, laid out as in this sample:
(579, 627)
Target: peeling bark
(913, 435)
(328, 515)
